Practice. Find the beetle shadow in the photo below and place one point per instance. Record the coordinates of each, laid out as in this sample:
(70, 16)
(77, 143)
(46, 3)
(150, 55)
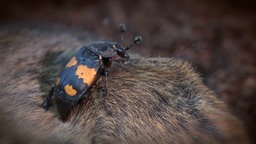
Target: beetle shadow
(52, 63)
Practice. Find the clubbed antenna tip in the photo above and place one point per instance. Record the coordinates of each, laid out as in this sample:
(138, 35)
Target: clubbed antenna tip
(122, 28)
(137, 40)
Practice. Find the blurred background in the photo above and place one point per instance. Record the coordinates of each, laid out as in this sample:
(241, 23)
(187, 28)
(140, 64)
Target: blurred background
(217, 37)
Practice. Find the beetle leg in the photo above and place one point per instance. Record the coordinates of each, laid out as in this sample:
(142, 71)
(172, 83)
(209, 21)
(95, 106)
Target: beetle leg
(105, 72)
(106, 92)
(46, 102)
(123, 59)
(100, 57)
(87, 93)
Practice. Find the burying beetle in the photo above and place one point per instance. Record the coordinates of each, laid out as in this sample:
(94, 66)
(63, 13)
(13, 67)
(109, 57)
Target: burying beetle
(82, 71)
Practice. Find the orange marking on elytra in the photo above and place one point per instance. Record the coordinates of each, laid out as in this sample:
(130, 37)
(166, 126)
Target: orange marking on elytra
(72, 62)
(70, 90)
(57, 81)
(88, 75)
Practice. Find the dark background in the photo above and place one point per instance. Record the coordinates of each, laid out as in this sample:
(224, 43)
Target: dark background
(217, 37)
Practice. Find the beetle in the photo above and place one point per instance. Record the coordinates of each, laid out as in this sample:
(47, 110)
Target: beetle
(75, 81)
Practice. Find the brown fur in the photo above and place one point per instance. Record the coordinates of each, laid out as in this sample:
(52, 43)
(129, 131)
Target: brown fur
(152, 100)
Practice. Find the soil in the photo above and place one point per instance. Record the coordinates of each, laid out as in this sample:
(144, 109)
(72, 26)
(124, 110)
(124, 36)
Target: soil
(218, 38)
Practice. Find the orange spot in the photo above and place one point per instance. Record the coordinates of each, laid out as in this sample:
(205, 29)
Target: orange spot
(72, 62)
(70, 90)
(57, 81)
(87, 74)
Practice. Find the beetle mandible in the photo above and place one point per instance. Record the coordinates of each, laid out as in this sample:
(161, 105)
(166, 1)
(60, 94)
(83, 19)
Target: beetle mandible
(84, 68)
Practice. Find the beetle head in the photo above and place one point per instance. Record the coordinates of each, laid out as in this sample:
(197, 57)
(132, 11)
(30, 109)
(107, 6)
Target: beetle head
(120, 50)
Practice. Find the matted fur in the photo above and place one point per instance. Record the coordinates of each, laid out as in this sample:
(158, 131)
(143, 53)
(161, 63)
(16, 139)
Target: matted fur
(152, 100)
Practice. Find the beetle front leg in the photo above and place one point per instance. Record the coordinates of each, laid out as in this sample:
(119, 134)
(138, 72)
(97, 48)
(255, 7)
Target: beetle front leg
(46, 102)
(106, 91)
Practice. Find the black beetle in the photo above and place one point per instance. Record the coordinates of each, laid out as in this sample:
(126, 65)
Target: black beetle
(85, 67)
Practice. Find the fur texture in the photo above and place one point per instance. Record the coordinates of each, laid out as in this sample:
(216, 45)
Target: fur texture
(152, 100)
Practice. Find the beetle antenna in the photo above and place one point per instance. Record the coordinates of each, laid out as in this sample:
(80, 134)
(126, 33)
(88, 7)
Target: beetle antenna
(122, 28)
(137, 40)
